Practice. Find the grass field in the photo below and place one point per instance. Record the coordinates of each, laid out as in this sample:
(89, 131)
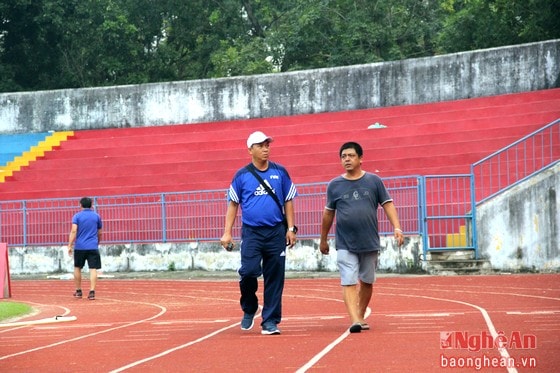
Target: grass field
(9, 310)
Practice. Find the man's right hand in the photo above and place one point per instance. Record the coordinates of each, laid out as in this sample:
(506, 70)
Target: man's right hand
(324, 247)
(226, 242)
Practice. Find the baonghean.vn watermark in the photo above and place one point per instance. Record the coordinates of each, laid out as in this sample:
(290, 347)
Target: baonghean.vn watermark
(475, 342)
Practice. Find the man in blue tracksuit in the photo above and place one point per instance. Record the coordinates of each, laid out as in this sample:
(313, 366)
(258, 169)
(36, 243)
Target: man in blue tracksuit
(264, 234)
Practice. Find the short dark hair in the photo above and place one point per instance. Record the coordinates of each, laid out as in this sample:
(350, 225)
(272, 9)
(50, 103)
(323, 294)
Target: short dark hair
(85, 202)
(351, 145)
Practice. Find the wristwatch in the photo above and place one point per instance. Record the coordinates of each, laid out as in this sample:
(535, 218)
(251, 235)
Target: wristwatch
(293, 229)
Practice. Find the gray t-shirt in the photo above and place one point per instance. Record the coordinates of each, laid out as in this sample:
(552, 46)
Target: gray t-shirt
(355, 203)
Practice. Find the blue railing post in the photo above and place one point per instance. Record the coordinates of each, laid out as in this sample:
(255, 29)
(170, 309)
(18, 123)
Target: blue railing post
(474, 230)
(163, 219)
(24, 218)
(423, 215)
(419, 192)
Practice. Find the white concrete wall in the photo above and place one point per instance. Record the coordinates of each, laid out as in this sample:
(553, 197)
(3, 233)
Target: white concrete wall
(305, 256)
(520, 230)
(456, 76)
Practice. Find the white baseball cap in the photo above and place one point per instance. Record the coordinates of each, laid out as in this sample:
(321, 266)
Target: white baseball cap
(257, 137)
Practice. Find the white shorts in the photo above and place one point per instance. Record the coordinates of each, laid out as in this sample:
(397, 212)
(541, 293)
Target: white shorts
(354, 266)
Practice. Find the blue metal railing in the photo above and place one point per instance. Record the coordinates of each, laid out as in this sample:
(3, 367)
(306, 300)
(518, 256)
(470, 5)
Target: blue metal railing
(516, 162)
(449, 212)
(440, 208)
(177, 217)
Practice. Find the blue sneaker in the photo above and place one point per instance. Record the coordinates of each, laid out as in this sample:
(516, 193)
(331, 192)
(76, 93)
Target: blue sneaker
(270, 329)
(247, 321)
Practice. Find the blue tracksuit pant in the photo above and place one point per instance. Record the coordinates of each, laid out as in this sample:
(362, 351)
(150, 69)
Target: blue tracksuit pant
(263, 251)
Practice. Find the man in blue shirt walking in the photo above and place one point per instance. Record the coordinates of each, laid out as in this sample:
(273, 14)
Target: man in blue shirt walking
(83, 243)
(265, 232)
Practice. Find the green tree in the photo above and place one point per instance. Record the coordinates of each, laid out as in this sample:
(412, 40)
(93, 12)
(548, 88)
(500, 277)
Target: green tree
(98, 44)
(50, 44)
(477, 24)
(319, 33)
(26, 58)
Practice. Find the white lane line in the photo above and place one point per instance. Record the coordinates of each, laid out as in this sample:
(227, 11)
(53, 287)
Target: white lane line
(532, 312)
(22, 324)
(176, 348)
(166, 352)
(173, 322)
(327, 349)
(423, 315)
(48, 320)
(502, 350)
(161, 312)
(313, 317)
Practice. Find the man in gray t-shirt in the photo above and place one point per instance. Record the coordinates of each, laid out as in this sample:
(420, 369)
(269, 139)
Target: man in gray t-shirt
(355, 203)
(354, 198)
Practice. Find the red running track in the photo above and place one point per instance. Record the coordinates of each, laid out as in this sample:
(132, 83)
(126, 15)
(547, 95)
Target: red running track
(193, 326)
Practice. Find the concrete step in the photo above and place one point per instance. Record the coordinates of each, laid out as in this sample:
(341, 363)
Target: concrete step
(458, 267)
(455, 262)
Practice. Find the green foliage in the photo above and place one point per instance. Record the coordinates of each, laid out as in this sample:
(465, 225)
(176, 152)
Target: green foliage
(9, 310)
(476, 24)
(52, 44)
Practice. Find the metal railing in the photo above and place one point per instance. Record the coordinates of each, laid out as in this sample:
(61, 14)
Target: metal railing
(449, 213)
(516, 162)
(177, 217)
(440, 208)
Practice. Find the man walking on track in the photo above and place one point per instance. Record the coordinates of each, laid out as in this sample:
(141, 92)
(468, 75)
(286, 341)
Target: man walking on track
(354, 198)
(265, 193)
(83, 243)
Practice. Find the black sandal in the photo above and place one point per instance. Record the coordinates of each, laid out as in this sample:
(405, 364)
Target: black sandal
(355, 328)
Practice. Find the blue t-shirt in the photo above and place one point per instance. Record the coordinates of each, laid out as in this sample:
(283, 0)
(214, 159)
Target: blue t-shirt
(355, 203)
(88, 222)
(259, 209)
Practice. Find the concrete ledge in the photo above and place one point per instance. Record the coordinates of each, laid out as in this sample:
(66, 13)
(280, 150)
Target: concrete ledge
(203, 256)
(487, 72)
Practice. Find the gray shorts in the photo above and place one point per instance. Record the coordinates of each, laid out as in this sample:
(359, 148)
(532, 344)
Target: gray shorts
(356, 265)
